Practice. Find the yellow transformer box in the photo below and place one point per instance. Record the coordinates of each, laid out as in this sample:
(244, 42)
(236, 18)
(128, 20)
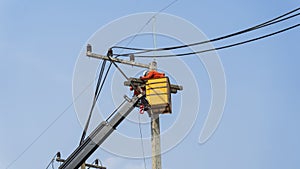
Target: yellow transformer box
(158, 94)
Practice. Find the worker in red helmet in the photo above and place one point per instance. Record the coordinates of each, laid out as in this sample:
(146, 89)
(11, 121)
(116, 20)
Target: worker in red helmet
(152, 74)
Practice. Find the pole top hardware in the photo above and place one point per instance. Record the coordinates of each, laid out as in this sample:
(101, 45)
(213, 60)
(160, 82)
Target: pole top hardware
(108, 57)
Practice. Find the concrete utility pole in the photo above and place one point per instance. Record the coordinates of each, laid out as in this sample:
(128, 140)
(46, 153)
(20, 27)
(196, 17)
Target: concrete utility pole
(155, 132)
(155, 141)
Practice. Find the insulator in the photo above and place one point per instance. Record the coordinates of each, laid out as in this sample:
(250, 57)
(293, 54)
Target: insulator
(97, 161)
(132, 59)
(58, 155)
(89, 48)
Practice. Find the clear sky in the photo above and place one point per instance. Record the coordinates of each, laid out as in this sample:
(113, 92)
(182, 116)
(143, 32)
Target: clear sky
(40, 42)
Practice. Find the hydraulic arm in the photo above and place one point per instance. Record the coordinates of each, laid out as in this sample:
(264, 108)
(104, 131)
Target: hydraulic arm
(99, 135)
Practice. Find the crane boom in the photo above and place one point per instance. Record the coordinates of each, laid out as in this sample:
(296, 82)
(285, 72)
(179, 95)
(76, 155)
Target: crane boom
(99, 135)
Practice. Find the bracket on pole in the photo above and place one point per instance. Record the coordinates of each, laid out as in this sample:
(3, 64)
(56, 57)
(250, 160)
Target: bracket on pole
(117, 60)
(95, 165)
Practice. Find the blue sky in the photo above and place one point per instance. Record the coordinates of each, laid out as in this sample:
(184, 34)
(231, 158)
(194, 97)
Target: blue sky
(41, 40)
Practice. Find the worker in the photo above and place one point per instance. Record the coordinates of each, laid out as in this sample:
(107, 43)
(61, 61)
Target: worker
(143, 103)
(152, 74)
(136, 90)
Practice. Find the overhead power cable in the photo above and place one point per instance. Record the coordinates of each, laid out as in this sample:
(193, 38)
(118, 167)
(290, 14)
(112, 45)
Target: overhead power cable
(149, 20)
(227, 46)
(49, 126)
(104, 79)
(99, 87)
(259, 26)
(98, 90)
(115, 110)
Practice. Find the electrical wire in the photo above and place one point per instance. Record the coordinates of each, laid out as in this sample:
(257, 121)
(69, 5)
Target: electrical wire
(45, 130)
(226, 46)
(259, 26)
(112, 62)
(52, 123)
(267, 23)
(100, 78)
(51, 162)
(120, 70)
(94, 102)
(99, 86)
(115, 110)
(142, 143)
(148, 21)
(109, 54)
(104, 79)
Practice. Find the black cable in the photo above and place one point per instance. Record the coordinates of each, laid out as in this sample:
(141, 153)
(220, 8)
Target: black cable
(104, 79)
(227, 46)
(99, 86)
(264, 24)
(100, 78)
(109, 54)
(46, 129)
(51, 124)
(212, 40)
(148, 21)
(93, 104)
(115, 110)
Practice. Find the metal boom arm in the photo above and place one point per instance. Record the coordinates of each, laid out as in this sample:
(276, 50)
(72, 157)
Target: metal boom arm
(98, 136)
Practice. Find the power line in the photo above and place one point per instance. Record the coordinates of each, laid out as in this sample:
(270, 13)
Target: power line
(56, 119)
(259, 26)
(100, 82)
(49, 126)
(115, 110)
(227, 46)
(148, 21)
(39, 136)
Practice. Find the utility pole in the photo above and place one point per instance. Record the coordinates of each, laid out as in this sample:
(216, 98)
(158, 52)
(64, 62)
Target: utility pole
(155, 141)
(155, 132)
